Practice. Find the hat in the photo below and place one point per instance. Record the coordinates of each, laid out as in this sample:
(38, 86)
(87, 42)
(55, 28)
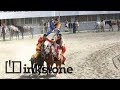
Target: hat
(45, 35)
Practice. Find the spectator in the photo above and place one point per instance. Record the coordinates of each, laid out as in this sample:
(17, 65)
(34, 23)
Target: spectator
(66, 26)
(77, 24)
(70, 26)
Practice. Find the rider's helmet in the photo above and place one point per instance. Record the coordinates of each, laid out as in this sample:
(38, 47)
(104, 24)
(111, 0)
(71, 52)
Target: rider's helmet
(45, 35)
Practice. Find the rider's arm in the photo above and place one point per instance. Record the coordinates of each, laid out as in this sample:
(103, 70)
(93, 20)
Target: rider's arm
(52, 41)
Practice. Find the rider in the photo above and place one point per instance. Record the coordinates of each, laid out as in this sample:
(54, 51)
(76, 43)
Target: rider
(57, 25)
(50, 44)
(59, 44)
(54, 26)
(3, 30)
(41, 41)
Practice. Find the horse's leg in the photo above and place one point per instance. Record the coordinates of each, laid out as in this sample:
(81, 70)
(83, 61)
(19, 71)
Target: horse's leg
(35, 67)
(31, 32)
(118, 28)
(112, 28)
(48, 68)
(32, 67)
(109, 28)
(57, 66)
(51, 65)
(18, 35)
(10, 36)
(22, 35)
(96, 28)
(101, 28)
(38, 69)
(3, 36)
(60, 62)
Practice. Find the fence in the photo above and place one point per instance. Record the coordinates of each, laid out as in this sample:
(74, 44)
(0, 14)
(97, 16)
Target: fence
(89, 25)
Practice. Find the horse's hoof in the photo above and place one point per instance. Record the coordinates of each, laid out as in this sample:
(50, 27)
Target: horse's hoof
(56, 74)
(30, 75)
(38, 74)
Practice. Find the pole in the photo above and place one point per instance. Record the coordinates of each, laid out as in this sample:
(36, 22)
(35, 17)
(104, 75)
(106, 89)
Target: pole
(59, 16)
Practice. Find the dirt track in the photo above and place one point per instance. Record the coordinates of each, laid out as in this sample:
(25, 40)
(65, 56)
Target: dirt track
(89, 54)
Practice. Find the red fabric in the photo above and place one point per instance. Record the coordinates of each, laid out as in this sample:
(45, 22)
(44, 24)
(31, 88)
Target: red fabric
(40, 40)
(64, 58)
(49, 40)
(63, 49)
(3, 24)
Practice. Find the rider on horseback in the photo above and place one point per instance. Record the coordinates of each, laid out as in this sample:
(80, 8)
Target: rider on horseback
(49, 46)
(59, 44)
(54, 26)
(41, 41)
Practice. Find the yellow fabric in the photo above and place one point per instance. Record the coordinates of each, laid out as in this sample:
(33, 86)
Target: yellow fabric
(37, 50)
(38, 46)
(57, 24)
(36, 55)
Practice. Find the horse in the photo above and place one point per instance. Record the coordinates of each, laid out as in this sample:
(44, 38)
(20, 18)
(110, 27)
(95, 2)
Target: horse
(59, 59)
(25, 29)
(28, 29)
(37, 65)
(111, 23)
(49, 59)
(13, 30)
(99, 25)
(4, 32)
(21, 30)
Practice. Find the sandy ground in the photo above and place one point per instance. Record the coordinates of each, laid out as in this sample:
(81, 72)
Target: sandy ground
(90, 54)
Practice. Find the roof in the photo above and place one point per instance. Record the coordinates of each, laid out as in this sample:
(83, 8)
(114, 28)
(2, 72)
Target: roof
(31, 14)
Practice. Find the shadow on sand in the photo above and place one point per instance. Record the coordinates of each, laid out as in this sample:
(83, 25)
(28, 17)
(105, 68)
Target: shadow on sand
(5, 40)
(35, 76)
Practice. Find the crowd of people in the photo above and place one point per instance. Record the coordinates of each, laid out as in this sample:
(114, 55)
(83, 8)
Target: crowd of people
(72, 26)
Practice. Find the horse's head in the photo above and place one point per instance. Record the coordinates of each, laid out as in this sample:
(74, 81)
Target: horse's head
(59, 54)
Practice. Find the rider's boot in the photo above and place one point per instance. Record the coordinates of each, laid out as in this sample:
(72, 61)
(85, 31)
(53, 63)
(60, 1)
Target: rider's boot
(63, 60)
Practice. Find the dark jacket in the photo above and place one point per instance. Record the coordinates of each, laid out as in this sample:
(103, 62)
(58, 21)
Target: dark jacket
(3, 30)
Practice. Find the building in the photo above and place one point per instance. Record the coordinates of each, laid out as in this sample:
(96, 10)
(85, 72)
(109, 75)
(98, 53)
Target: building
(36, 17)
(86, 19)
